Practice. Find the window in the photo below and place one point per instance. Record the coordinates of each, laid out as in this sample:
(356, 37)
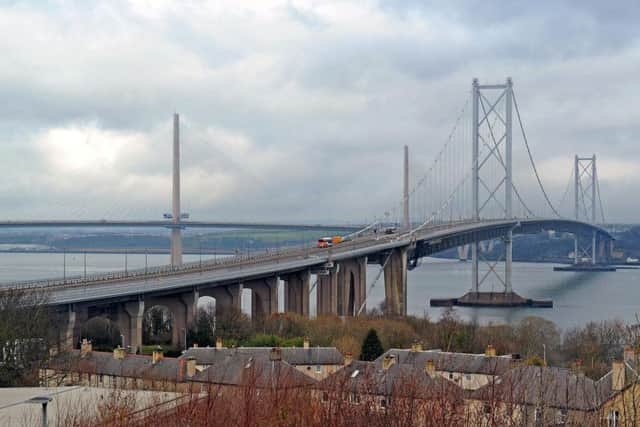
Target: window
(354, 398)
(385, 402)
(468, 377)
(537, 416)
(450, 375)
(325, 396)
(486, 409)
(613, 419)
(318, 369)
(561, 417)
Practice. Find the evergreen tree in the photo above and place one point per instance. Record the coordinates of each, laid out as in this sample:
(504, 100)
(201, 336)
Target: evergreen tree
(371, 346)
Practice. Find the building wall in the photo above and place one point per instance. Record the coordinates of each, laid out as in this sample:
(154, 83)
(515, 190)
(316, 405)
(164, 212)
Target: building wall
(627, 404)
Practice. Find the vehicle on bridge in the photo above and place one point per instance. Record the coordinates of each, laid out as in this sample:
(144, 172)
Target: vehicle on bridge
(326, 242)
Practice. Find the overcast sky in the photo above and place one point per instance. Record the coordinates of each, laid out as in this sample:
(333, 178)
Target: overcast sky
(298, 110)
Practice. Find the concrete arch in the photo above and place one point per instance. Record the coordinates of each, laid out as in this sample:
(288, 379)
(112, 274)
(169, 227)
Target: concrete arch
(158, 324)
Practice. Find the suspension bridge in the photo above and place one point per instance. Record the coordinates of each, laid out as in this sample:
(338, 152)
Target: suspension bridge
(468, 195)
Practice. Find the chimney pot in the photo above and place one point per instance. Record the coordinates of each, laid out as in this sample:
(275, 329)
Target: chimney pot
(275, 354)
(157, 355)
(348, 358)
(119, 353)
(490, 351)
(306, 342)
(85, 347)
(430, 368)
(416, 346)
(617, 376)
(218, 343)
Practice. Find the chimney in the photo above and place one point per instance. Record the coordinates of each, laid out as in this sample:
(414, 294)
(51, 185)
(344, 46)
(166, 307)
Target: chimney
(219, 343)
(617, 376)
(194, 345)
(191, 367)
(416, 346)
(85, 347)
(157, 355)
(388, 361)
(348, 358)
(306, 342)
(119, 353)
(276, 354)
(578, 366)
(629, 355)
(430, 368)
(490, 351)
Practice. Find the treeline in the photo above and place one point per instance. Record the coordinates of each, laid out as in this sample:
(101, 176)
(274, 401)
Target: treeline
(590, 348)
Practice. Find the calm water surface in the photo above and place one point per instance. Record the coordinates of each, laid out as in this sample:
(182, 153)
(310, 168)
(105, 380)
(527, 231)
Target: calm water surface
(577, 297)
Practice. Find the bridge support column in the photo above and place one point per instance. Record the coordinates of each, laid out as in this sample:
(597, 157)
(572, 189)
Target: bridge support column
(395, 283)
(227, 297)
(463, 252)
(296, 292)
(352, 283)
(130, 316)
(75, 316)
(327, 293)
(264, 297)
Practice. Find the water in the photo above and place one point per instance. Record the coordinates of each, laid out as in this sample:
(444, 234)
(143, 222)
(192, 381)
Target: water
(577, 297)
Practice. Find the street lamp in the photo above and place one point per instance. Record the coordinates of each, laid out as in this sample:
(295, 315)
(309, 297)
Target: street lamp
(200, 244)
(44, 401)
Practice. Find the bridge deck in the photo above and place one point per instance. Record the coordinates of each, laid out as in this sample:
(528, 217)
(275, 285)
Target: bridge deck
(235, 270)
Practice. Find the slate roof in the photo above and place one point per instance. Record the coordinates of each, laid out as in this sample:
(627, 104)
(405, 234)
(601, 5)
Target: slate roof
(132, 366)
(292, 355)
(543, 386)
(452, 362)
(398, 380)
(245, 370)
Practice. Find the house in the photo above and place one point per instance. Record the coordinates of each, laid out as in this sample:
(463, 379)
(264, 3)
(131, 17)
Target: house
(620, 391)
(469, 371)
(119, 370)
(401, 390)
(536, 396)
(315, 362)
(247, 371)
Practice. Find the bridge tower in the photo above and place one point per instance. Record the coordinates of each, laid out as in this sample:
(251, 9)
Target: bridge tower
(585, 196)
(176, 230)
(496, 136)
(405, 191)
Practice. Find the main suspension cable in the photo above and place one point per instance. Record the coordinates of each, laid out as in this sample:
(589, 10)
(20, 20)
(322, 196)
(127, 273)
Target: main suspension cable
(533, 164)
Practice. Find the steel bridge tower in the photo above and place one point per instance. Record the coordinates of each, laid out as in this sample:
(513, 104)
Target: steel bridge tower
(176, 230)
(585, 199)
(499, 148)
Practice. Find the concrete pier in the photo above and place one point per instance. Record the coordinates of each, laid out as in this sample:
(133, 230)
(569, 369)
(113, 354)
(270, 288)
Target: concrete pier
(296, 292)
(264, 297)
(395, 283)
(491, 299)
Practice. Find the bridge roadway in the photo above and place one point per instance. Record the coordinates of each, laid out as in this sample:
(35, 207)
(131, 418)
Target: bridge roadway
(233, 270)
(341, 274)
